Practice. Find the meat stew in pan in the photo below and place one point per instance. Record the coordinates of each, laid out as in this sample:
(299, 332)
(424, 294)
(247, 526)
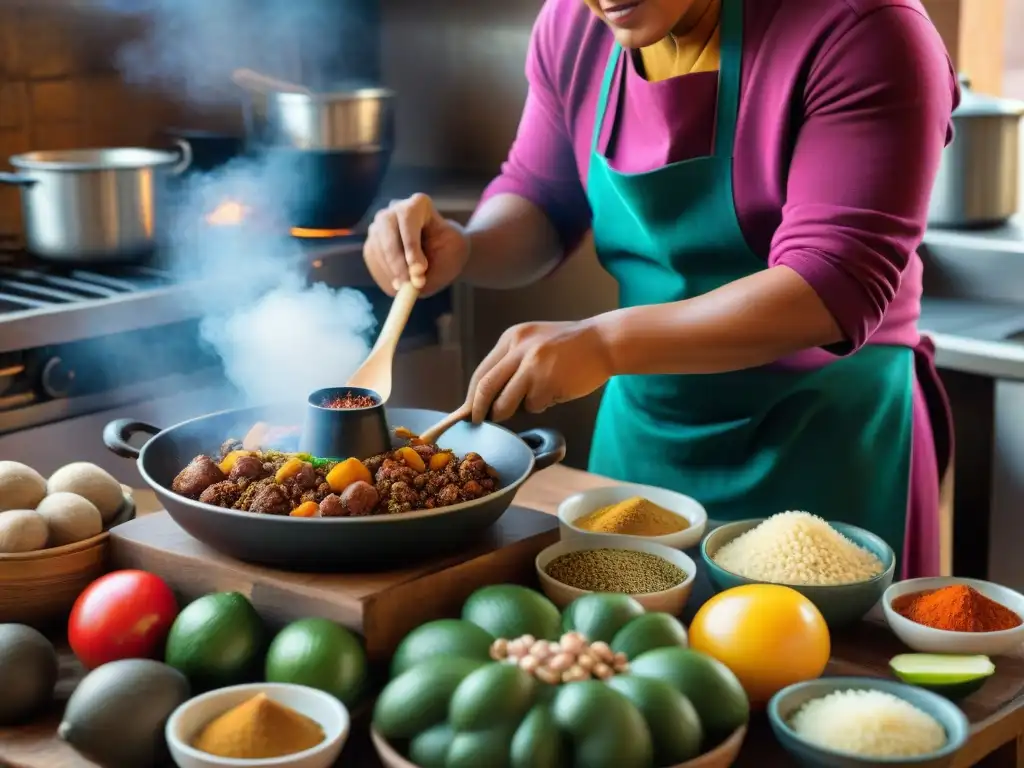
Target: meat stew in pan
(272, 482)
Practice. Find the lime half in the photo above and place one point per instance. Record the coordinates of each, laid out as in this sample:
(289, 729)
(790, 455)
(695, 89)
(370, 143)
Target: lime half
(952, 676)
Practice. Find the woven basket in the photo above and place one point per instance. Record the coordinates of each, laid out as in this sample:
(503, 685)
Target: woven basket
(37, 588)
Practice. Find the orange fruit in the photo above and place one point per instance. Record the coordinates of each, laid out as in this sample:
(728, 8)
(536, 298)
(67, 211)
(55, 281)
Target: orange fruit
(770, 636)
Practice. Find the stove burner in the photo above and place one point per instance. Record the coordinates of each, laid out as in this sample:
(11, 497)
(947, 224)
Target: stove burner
(29, 285)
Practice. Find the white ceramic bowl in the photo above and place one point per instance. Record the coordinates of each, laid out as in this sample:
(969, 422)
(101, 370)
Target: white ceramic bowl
(586, 502)
(927, 640)
(187, 720)
(669, 600)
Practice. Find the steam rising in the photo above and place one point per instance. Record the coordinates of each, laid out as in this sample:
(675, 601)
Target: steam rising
(278, 336)
(192, 45)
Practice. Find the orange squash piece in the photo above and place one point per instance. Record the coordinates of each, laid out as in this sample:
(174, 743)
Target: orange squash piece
(412, 459)
(347, 472)
(228, 462)
(305, 509)
(288, 470)
(440, 460)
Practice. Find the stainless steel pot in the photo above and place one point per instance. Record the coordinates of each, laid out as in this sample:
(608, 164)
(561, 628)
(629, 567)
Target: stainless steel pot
(93, 205)
(361, 119)
(979, 176)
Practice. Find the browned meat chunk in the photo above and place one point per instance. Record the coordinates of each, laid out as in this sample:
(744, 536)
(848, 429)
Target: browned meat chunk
(305, 478)
(199, 475)
(392, 471)
(222, 494)
(359, 499)
(425, 451)
(271, 499)
(472, 468)
(331, 506)
(448, 495)
(248, 468)
(472, 490)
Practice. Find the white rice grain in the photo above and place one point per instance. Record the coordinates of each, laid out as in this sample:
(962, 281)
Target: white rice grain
(797, 548)
(869, 724)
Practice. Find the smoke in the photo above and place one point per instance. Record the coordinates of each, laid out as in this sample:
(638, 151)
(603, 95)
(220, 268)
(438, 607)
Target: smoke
(191, 46)
(278, 337)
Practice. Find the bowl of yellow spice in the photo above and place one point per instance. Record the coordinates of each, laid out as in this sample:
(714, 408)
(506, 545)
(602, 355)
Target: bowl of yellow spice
(270, 725)
(629, 512)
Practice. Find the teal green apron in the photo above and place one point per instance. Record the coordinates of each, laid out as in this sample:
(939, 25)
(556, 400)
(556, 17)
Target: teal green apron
(834, 441)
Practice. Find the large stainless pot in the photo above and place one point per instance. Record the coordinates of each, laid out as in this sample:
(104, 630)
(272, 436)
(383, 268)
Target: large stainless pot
(333, 543)
(336, 146)
(979, 176)
(93, 205)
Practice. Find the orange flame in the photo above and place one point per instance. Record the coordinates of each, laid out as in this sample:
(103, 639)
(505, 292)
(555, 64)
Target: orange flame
(227, 214)
(319, 233)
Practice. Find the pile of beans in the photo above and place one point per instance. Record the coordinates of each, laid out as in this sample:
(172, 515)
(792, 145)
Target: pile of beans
(571, 659)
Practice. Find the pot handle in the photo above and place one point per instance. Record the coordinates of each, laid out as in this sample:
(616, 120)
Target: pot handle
(16, 179)
(185, 150)
(548, 446)
(118, 433)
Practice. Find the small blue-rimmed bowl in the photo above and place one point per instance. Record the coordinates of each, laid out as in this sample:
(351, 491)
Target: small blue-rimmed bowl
(785, 704)
(840, 604)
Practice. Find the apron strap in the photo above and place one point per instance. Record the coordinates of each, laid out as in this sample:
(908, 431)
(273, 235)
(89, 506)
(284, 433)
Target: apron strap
(606, 88)
(729, 77)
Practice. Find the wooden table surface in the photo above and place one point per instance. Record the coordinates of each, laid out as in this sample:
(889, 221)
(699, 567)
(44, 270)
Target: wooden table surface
(996, 711)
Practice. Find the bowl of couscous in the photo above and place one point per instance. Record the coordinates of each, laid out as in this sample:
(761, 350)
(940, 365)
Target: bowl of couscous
(850, 722)
(842, 569)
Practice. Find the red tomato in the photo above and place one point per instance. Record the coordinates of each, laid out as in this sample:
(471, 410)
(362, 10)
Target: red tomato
(123, 615)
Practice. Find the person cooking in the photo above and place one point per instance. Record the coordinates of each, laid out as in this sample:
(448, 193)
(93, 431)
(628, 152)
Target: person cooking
(756, 175)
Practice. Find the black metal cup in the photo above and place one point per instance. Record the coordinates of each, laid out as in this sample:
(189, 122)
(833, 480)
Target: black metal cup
(340, 433)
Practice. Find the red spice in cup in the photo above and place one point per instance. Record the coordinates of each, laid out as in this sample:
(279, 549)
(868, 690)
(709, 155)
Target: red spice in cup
(956, 608)
(349, 400)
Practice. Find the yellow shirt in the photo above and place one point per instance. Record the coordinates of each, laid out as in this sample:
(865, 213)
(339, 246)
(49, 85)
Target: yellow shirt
(698, 50)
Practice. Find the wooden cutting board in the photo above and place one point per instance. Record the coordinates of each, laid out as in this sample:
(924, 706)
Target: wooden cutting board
(383, 607)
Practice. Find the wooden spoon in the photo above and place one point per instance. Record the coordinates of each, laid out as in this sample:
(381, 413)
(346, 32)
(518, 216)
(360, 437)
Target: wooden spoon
(431, 435)
(376, 371)
(256, 81)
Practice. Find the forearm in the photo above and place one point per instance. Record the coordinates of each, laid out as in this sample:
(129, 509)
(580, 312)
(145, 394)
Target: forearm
(750, 322)
(512, 244)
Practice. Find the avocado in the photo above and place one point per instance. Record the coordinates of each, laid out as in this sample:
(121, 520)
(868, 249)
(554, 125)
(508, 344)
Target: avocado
(676, 731)
(650, 631)
(607, 731)
(28, 672)
(537, 742)
(511, 611)
(418, 699)
(216, 641)
(430, 748)
(117, 714)
(320, 654)
(599, 616)
(477, 749)
(495, 694)
(444, 637)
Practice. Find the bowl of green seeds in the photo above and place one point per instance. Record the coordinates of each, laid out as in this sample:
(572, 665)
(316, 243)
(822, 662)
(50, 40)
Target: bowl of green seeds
(657, 576)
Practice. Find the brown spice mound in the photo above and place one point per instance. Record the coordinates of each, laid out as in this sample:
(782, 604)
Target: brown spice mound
(259, 728)
(349, 400)
(957, 608)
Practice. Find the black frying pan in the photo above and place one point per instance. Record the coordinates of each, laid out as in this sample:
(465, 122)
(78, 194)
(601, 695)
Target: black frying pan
(333, 544)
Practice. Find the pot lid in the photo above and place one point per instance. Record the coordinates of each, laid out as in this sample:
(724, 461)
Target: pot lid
(974, 104)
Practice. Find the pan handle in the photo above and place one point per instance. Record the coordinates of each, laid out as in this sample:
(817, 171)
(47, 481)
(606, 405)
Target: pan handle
(185, 159)
(16, 179)
(118, 433)
(548, 446)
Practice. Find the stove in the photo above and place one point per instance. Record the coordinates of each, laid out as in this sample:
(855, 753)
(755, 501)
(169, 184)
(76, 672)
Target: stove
(78, 340)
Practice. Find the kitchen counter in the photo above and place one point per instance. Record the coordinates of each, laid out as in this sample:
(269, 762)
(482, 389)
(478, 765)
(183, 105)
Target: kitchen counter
(977, 337)
(996, 712)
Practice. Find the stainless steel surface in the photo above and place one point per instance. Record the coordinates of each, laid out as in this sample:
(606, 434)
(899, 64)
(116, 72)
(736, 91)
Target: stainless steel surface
(979, 176)
(93, 205)
(358, 120)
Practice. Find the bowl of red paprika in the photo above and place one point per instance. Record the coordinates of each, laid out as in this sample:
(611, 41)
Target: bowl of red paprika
(954, 615)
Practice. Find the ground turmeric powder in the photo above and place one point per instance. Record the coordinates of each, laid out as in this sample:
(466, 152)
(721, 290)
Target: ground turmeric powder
(259, 728)
(635, 516)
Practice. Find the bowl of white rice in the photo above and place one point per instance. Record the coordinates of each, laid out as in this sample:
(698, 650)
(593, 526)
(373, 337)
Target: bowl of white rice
(843, 722)
(842, 569)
